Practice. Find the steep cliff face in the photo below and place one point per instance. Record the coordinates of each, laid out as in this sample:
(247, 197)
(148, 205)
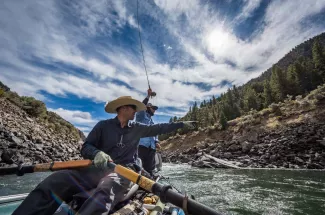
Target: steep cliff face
(28, 139)
(286, 135)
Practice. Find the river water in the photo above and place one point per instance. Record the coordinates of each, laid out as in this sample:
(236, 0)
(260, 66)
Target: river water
(229, 191)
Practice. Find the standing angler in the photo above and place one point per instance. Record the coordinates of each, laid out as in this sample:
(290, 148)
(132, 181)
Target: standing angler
(147, 145)
(110, 140)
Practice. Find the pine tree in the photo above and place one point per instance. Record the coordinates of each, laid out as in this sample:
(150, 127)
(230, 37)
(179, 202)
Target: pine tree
(267, 94)
(206, 117)
(171, 120)
(223, 120)
(312, 75)
(250, 99)
(318, 56)
(209, 104)
(214, 100)
(194, 112)
(235, 92)
(229, 98)
(277, 84)
(294, 86)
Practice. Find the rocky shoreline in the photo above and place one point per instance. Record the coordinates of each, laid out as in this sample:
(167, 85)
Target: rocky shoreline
(299, 146)
(29, 140)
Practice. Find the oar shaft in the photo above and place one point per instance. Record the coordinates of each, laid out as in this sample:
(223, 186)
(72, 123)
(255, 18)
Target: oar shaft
(169, 195)
(177, 199)
(16, 170)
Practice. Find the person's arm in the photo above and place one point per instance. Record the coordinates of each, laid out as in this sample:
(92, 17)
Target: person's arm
(89, 148)
(146, 100)
(161, 128)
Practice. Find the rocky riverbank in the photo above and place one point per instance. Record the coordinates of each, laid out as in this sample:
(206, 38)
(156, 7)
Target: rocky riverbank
(30, 140)
(288, 136)
(298, 146)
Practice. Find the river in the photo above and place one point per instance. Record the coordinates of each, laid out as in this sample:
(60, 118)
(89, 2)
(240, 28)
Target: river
(227, 190)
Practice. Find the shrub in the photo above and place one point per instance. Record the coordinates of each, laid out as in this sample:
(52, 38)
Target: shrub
(2, 92)
(265, 112)
(14, 98)
(4, 87)
(34, 107)
(275, 108)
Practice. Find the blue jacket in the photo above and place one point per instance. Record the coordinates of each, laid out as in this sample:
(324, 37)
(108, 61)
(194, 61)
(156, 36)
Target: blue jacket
(145, 118)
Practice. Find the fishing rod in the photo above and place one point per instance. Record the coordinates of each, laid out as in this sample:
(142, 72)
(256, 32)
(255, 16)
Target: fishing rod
(165, 192)
(143, 59)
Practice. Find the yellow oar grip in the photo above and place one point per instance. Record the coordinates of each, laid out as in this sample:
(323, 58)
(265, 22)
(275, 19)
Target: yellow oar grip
(143, 182)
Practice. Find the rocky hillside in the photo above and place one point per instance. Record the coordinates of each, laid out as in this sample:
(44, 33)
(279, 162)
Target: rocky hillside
(29, 139)
(285, 135)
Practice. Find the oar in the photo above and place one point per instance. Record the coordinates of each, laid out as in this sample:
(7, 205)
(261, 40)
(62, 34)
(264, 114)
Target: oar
(53, 166)
(165, 192)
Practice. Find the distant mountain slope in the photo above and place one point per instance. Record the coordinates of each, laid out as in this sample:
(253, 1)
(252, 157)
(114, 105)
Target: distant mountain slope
(29, 133)
(297, 73)
(302, 50)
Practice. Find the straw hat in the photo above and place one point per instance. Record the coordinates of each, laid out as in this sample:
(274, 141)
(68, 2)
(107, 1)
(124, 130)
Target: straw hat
(111, 107)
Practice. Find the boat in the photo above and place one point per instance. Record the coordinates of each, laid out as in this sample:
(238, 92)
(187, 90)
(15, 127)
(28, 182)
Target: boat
(140, 202)
(136, 202)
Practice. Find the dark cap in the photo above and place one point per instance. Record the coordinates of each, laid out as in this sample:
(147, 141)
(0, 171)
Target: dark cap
(152, 106)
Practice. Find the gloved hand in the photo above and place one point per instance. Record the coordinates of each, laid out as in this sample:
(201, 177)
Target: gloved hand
(190, 124)
(101, 160)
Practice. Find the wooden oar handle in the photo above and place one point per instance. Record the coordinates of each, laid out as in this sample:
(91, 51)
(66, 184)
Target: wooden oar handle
(53, 166)
(62, 165)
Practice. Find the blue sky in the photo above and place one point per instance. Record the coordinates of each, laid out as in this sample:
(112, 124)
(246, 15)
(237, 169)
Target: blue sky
(76, 55)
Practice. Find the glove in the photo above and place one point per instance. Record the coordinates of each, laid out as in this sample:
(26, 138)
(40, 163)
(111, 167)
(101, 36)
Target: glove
(190, 124)
(101, 160)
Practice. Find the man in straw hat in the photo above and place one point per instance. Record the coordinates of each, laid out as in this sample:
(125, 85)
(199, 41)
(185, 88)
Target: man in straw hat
(113, 139)
(147, 145)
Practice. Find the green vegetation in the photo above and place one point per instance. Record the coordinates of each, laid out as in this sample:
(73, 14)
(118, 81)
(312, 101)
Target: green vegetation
(37, 109)
(2, 92)
(298, 73)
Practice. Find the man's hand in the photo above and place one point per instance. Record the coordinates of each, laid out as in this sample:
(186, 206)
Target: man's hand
(190, 124)
(101, 160)
(158, 145)
(149, 92)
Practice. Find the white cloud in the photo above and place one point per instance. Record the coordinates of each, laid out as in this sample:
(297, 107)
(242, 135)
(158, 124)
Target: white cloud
(82, 120)
(40, 31)
(247, 10)
(177, 7)
(75, 116)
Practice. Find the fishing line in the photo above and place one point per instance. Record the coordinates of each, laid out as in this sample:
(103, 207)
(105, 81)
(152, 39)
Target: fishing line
(144, 61)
